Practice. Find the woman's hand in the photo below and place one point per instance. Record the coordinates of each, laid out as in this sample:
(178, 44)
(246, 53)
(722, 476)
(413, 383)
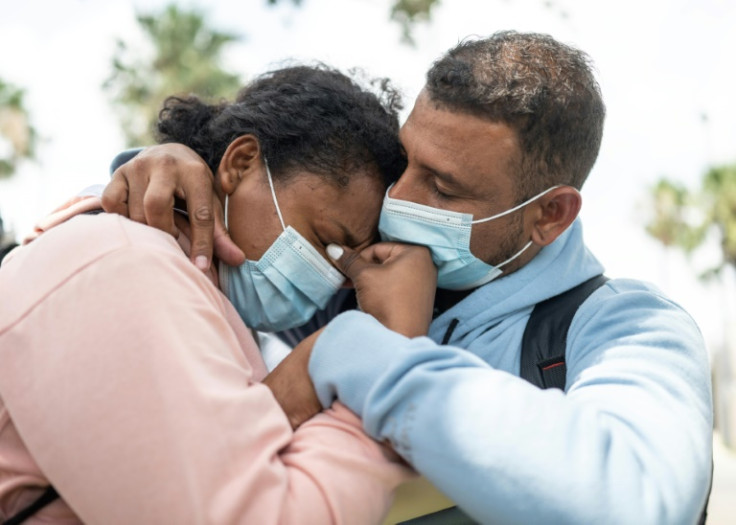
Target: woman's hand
(146, 187)
(291, 385)
(395, 283)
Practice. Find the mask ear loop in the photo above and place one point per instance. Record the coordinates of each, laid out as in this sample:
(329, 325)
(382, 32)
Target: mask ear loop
(273, 194)
(526, 246)
(227, 225)
(518, 207)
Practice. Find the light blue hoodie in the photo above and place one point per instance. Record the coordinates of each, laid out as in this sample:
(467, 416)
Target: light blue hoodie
(629, 442)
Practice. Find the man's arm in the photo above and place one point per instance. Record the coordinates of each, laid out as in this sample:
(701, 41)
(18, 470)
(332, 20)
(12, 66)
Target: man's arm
(139, 402)
(629, 443)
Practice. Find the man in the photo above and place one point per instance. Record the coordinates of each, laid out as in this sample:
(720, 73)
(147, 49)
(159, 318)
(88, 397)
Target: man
(498, 145)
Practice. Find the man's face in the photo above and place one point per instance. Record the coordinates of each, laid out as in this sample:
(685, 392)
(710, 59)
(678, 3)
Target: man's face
(464, 163)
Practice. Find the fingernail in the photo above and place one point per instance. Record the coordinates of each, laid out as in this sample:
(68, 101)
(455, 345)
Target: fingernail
(335, 251)
(202, 263)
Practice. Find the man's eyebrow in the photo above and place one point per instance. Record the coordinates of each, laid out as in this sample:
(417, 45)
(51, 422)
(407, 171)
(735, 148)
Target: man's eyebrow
(446, 177)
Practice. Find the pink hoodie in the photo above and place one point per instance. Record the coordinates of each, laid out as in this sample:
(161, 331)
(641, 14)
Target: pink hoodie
(129, 382)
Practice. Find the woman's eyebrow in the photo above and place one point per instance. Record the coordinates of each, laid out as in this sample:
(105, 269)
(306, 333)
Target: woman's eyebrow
(350, 239)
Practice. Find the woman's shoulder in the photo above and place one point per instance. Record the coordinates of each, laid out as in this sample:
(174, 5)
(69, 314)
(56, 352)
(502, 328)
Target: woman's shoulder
(101, 243)
(84, 238)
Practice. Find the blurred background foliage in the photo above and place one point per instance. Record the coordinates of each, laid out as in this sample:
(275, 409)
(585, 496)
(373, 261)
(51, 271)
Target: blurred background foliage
(184, 55)
(685, 219)
(18, 137)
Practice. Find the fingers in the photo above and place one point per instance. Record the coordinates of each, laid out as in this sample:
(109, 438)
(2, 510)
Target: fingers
(395, 283)
(348, 261)
(351, 263)
(146, 187)
(136, 191)
(199, 196)
(382, 251)
(225, 249)
(115, 194)
(158, 204)
(208, 232)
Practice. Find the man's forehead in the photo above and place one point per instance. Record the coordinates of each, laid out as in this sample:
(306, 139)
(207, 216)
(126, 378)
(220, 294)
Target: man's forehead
(473, 155)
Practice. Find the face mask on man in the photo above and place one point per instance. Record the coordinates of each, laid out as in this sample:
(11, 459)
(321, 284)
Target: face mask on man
(286, 286)
(447, 235)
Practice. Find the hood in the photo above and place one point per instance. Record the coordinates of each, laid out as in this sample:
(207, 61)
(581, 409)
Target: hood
(559, 266)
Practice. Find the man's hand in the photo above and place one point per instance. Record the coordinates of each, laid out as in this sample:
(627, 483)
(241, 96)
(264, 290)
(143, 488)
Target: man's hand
(395, 283)
(145, 189)
(291, 385)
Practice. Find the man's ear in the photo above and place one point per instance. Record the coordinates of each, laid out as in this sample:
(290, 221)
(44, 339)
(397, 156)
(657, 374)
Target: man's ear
(242, 156)
(555, 213)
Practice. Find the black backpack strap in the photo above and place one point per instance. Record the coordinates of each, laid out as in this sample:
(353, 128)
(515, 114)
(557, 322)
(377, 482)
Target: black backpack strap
(544, 344)
(44, 499)
(542, 360)
(545, 337)
(123, 157)
(704, 514)
(449, 516)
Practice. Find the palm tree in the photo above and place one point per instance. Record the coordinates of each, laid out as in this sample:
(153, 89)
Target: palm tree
(407, 13)
(687, 220)
(683, 219)
(18, 138)
(410, 12)
(719, 191)
(185, 58)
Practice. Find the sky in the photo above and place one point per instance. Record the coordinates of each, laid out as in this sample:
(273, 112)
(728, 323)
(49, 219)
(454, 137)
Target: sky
(666, 69)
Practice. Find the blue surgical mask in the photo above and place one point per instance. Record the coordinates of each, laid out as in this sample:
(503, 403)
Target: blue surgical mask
(286, 286)
(447, 235)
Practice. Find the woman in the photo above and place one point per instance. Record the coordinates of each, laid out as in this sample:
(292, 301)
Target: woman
(130, 383)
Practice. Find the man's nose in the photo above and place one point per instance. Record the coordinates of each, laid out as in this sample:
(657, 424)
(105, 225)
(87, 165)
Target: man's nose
(404, 188)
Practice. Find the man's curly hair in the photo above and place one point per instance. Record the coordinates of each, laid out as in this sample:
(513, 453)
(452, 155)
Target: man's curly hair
(543, 89)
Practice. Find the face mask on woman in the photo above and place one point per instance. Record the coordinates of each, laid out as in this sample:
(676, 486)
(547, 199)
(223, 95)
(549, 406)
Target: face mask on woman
(286, 286)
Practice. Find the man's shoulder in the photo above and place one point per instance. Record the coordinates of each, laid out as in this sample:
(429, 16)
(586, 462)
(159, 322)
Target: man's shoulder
(627, 290)
(632, 308)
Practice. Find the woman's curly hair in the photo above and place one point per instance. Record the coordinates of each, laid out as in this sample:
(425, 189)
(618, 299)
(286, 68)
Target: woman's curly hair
(311, 118)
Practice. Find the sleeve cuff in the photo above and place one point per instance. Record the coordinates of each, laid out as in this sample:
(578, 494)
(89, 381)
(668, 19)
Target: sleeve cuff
(348, 358)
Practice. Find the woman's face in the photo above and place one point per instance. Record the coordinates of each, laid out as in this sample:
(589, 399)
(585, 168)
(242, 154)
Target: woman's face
(321, 211)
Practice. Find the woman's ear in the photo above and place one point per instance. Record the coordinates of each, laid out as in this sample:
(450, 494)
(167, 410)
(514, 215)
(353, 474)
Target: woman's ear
(556, 212)
(242, 156)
